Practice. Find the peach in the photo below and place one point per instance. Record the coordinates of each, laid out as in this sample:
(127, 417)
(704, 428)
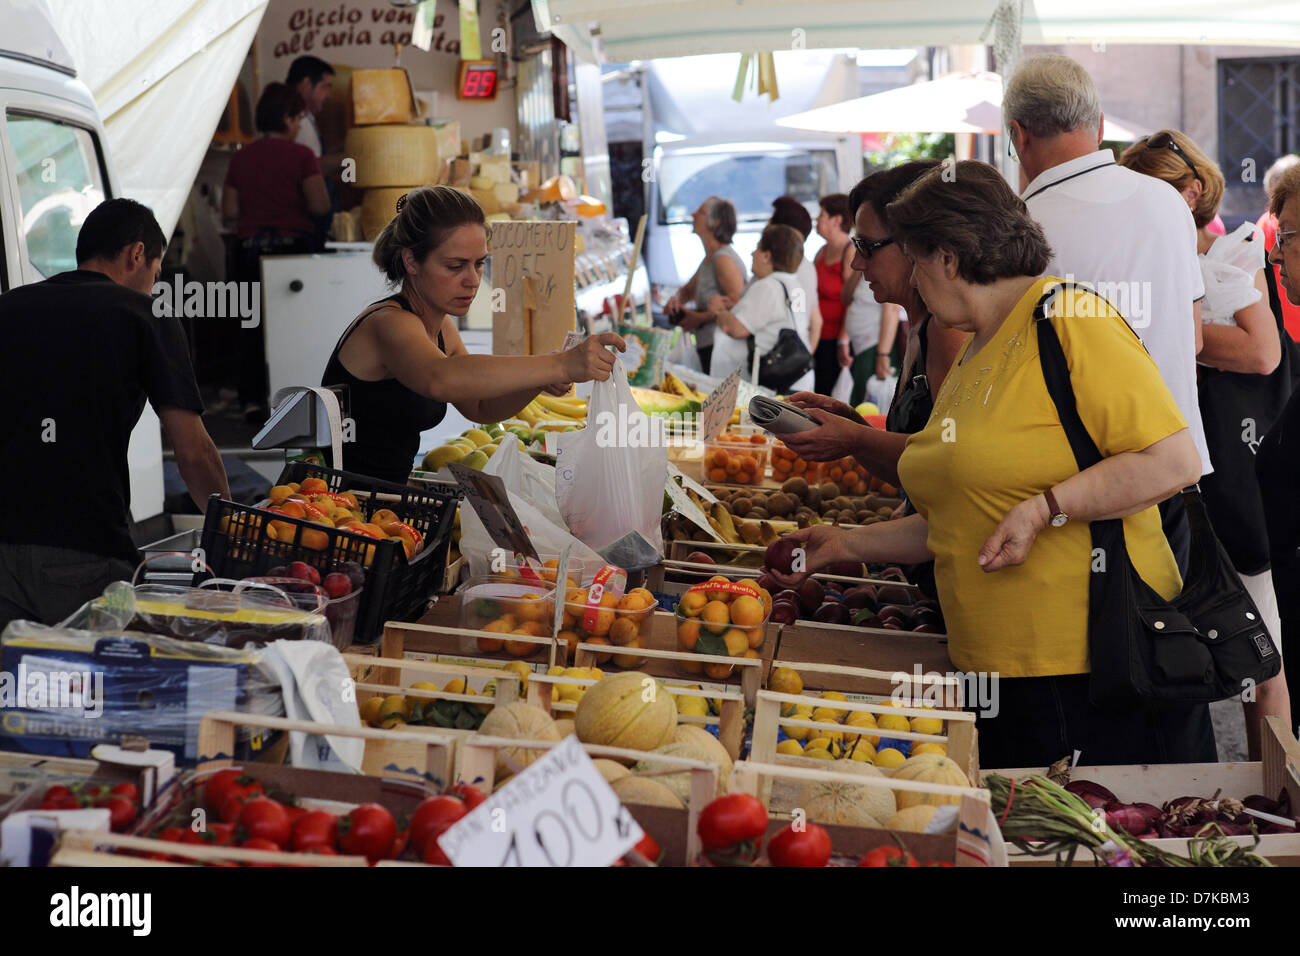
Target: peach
(314, 486)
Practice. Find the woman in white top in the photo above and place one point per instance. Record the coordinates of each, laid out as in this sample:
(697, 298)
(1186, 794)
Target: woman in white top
(773, 301)
(788, 211)
(1240, 336)
(870, 331)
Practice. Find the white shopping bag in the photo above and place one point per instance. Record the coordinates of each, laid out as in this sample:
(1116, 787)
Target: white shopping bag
(1229, 272)
(843, 386)
(609, 476)
(880, 392)
(546, 536)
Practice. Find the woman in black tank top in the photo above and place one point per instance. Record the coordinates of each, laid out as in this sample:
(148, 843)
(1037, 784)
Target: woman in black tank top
(402, 359)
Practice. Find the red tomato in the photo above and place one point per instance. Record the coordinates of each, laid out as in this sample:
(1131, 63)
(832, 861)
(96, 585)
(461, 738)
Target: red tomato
(731, 828)
(939, 863)
(57, 792)
(399, 844)
(809, 846)
(221, 834)
(121, 812)
(433, 816)
(367, 831)
(314, 830)
(472, 795)
(265, 818)
(323, 851)
(65, 802)
(648, 848)
(260, 843)
(171, 835)
(433, 852)
(127, 790)
(230, 783)
(888, 856)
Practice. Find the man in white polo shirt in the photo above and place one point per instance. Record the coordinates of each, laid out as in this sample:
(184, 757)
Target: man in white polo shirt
(1130, 236)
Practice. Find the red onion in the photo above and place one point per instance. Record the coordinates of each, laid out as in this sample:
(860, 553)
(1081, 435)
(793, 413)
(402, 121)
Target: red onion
(1093, 794)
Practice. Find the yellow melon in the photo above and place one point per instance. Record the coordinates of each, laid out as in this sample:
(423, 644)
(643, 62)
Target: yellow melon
(849, 804)
(564, 727)
(680, 783)
(929, 768)
(519, 721)
(611, 770)
(912, 820)
(645, 791)
(694, 734)
(626, 710)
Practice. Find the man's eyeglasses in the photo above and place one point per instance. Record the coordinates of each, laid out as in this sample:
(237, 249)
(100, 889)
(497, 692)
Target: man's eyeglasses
(868, 246)
(1283, 238)
(1165, 140)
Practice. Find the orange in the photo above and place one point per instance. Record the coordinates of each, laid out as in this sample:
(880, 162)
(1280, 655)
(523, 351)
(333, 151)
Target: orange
(755, 635)
(746, 611)
(490, 645)
(748, 465)
(717, 615)
(623, 631)
(799, 466)
(688, 632)
(737, 641)
(692, 603)
(600, 658)
(719, 671)
(733, 466)
(717, 474)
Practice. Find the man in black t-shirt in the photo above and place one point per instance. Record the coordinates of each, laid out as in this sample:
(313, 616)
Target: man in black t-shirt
(85, 351)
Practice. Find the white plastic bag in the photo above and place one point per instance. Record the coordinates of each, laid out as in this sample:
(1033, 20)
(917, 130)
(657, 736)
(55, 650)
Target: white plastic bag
(314, 681)
(682, 352)
(1229, 272)
(843, 386)
(546, 537)
(609, 476)
(880, 392)
(527, 478)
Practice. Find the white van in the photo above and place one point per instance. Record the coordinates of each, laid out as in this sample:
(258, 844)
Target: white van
(54, 169)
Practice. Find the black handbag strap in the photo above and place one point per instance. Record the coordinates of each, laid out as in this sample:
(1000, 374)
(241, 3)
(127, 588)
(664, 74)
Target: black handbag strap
(1056, 373)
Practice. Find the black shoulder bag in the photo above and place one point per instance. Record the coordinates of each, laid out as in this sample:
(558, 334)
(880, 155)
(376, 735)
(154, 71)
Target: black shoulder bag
(1207, 644)
(788, 361)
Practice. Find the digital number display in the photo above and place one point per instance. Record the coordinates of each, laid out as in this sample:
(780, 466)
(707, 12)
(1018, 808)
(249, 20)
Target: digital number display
(478, 81)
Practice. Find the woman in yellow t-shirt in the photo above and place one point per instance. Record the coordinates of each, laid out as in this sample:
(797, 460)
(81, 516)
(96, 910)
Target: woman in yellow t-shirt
(993, 469)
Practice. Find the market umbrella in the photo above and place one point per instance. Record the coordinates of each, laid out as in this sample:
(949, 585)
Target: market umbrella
(953, 103)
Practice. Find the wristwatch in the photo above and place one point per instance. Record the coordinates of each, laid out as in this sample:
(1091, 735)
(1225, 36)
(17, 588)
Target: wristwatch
(1059, 517)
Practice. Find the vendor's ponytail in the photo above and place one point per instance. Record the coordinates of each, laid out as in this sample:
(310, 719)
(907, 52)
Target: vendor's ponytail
(424, 218)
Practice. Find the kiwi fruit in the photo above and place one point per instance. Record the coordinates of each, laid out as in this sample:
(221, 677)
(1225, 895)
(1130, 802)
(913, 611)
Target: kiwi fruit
(740, 506)
(780, 504)
(797, 486)
(859, 504)
(831, 515)
(814, 497)
(750, 532)
(842, 503)
(829, 490)
(757, 514)
(884, 512)
(862, 516)
(803, 519)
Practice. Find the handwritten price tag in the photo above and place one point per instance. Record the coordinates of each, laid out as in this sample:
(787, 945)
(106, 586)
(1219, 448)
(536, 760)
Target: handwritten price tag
(557, 812)
(719, 407)
(687, 509)
(487, 495)
(689, 482)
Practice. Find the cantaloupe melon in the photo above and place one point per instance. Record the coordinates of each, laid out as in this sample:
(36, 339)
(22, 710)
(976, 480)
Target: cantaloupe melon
(645, 791)
(693, 734)
(846, 803)
(929, 768)
(611, 770)
(680, 783)
(626, 710)
(912, 820)
(565, 727)
(518, 721)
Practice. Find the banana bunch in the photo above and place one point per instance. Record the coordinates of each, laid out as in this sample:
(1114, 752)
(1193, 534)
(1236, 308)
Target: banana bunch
(675, 386)
(549, 408)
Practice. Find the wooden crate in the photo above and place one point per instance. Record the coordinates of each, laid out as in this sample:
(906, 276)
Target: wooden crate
(674, 830)
(674, 575)
(1278, 770)
(973, 843)
(810, 643)
(442, 641)
(730, 719)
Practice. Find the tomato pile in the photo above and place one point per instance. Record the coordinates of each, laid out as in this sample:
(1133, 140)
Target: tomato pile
(251, 818)
(122, 801)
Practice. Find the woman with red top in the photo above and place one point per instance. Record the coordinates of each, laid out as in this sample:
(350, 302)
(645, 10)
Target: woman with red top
(834, 265)
(274, 191)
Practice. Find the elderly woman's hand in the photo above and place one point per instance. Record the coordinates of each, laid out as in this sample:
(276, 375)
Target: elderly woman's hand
(1011, 540)
(834, 438)
(817, 547)
(807, 400)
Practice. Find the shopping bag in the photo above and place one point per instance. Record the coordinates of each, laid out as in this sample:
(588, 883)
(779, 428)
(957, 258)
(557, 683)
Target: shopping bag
(609, 476)
(1228, 271)
(548, 538)
(880, 392)
(682, 352)
(843, 386)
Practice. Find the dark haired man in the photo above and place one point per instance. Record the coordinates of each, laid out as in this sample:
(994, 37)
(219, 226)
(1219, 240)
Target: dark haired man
(89, 351)
(313, 78)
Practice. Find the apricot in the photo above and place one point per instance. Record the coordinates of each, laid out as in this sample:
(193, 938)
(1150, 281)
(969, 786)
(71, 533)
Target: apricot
(737, 641)
(717, 615)
(630, 660)
(382, 517)
(315, 539)
(746, 611)
(688, 634)
(692, 603)
(313, 486)
(280, 493)
(717, 474)
(293, 508)
(600, 658)
(623, 631)
(719, 671)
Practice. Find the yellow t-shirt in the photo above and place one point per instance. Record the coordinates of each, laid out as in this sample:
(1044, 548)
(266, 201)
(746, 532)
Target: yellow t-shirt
(994, 440)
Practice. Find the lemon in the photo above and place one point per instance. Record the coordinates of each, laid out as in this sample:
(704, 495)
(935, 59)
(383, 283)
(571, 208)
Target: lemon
(889, 758)
(861, 718)
(554, 670)
(893, 722)
(370, 709)
(818, 754)
(863, 751)
(828, 714)
(422, 701)
(785, 680)
(392, 721)
(927, 725)
(394, 704)
(489, 690)
(455, 686)
(790, 747)
(798, 733)
(571, 692)
(818, 743)
(524, 672)
(478, 436)
(441, 456)
(929, 747)
(692, 706)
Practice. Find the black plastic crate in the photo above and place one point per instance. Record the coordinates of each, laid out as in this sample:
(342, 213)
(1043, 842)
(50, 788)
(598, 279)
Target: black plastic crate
(236, 544)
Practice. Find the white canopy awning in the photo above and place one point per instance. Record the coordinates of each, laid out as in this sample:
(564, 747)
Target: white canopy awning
(646, 29)
(161, 72)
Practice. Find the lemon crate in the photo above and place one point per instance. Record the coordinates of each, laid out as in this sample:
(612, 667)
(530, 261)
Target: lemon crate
(400, 794)
(384, 678)
(675, 830)
(1278, 770)
(557, 695)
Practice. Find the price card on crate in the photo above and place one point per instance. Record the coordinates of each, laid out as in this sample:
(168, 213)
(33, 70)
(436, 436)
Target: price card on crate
(683, 505)
(719, 407)
(487, 495)
(689, 482)
(557, 812)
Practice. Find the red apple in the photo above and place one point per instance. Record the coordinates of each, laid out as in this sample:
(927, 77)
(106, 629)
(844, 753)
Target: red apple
(304, 572)
(337, 585)
(780, 555)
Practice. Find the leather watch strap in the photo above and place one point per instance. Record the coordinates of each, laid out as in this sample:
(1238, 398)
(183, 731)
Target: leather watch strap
(1052, 506)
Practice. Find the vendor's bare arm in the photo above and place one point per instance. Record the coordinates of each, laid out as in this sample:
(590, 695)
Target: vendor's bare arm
(197, 457)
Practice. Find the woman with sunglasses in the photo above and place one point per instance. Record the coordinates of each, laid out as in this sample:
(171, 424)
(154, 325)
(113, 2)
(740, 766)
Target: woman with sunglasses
(1240, 378)
(929, 353)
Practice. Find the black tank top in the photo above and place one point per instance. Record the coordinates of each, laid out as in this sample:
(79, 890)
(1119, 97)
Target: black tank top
(387, 416)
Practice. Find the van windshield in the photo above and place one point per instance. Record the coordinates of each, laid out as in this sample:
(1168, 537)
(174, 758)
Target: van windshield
(750, 180)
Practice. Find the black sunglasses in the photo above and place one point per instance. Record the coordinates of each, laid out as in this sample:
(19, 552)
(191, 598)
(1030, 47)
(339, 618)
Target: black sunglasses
(1165, 140)
(868, 246)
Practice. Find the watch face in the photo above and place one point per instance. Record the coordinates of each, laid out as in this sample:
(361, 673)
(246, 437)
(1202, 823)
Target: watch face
(1059, 521)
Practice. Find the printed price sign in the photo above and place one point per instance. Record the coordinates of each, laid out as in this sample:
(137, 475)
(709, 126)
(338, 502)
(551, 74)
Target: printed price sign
(719, 407)
(487, 495)
(557, 812)
(688, 509)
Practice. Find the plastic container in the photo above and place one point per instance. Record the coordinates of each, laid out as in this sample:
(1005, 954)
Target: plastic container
(620, 622)
(506, 606)
(736, 459)
(239, 541)
(786, 465)
(341, 612)
(713, 617)
(574, 572)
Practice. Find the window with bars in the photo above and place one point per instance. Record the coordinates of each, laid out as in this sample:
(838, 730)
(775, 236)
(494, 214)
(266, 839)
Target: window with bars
(1259, 121)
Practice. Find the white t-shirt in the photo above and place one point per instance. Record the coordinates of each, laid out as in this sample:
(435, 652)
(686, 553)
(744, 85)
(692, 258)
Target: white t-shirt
(1132, 238)
(309, 135)
(763, 310)
(862, 318)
